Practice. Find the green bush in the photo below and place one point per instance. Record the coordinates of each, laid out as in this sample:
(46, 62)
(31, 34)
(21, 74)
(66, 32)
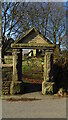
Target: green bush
(60, 71)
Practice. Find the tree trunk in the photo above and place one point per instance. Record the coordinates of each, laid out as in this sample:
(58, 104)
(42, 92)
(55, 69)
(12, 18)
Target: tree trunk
(3, 57)
(46, 24)
(59, 43)
(59, 46)
(54, 37)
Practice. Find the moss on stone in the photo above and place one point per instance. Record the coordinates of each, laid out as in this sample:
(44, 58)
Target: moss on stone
(47, 87)
(16, 87)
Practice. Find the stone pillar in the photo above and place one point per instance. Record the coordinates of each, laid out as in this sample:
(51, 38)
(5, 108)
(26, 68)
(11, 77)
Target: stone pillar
(23, 55)
(30, 53)
(47, 84)
(17, 72)
(34, 52)
(15, 75)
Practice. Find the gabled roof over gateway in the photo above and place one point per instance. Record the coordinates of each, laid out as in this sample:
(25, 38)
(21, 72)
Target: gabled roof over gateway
(32, 39)
(32, 33)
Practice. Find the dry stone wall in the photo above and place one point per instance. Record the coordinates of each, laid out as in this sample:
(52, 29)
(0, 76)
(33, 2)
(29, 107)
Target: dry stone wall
(6, 80)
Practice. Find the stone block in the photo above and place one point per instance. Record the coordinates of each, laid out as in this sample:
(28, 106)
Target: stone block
(16, 87)
(48, 87)
(6, 79)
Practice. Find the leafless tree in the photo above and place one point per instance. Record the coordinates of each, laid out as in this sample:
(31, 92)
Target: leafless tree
(57, 21)
(17, 18)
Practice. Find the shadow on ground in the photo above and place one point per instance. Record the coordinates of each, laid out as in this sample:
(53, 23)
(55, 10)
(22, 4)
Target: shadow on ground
(30, 87)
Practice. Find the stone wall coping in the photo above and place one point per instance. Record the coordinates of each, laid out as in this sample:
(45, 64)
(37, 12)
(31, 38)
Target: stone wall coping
(7, 65)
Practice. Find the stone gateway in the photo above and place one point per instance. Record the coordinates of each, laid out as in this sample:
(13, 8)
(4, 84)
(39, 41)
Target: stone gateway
(32, 40)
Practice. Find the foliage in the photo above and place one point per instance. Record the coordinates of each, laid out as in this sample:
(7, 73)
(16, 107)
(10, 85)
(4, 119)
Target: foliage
(60, 70)
(32, 68)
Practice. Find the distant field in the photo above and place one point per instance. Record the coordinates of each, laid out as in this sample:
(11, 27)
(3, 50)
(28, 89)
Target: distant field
(32, 70)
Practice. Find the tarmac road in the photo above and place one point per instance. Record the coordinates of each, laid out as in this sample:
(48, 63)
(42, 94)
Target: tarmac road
(45, 108)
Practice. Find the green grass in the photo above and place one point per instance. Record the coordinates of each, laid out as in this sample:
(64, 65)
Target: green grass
(32, 68)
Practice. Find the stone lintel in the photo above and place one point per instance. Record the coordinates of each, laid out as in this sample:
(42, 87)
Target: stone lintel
(33, 46)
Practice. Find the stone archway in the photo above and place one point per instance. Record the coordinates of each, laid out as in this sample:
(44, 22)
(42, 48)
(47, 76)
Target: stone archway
(47, 84)
(32, 40)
